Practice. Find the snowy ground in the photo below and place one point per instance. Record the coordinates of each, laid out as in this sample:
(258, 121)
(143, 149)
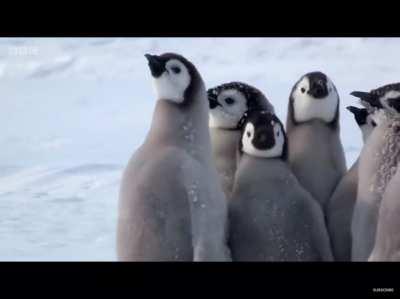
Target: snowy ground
(73, 110)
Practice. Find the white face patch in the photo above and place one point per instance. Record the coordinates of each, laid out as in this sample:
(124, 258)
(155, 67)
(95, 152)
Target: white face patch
(227, 116)
(393, 94)
(251, 150)
(171, 85)
(307, 107)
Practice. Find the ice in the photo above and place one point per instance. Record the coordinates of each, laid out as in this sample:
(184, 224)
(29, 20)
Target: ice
(73, 110)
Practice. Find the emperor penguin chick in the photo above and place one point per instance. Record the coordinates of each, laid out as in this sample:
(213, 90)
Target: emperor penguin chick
(339, 211)
(172, 207)
(379, 160)
(315, 150)
(272, 217)
(228, 103)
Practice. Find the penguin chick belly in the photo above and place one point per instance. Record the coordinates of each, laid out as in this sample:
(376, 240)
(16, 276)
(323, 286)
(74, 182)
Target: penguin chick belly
(157, 220)
(271, 219)
(317, 159)
(224, 148)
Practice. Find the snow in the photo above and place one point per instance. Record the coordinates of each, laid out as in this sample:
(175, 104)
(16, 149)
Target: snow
(74, 109)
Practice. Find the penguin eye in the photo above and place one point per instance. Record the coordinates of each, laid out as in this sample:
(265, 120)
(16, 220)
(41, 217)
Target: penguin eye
(303, 90)
(176, 69)
(229, 101)
(373, 123)
(248, 134)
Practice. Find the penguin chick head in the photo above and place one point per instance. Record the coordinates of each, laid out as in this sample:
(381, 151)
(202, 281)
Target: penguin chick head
(364, 120)
(386, 98)
(228, 103)
(263, 135)
(174, 76)
(314, 97)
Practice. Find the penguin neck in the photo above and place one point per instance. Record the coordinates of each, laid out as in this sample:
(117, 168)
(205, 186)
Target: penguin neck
(269, 165)
(315, 129)
(224, 141)
(354, 168)
(292, 123)
(366, 131)
(180, 125)
(365, 136)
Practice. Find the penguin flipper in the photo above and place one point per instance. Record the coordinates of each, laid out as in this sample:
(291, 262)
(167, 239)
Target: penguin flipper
(321, 235)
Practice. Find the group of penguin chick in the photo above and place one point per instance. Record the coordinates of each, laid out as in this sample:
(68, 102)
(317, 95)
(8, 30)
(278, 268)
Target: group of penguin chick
(218, 178)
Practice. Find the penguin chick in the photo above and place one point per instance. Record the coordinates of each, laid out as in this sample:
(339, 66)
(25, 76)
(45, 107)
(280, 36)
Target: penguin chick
(272, 218)
(171, 206)
(315, 153)
(339, 211)
(228, 103)
(378, 164)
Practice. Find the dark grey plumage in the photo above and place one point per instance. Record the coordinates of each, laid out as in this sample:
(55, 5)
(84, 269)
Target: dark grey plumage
(272, 217)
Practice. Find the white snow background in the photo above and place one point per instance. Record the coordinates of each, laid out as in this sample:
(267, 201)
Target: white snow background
(73, 110)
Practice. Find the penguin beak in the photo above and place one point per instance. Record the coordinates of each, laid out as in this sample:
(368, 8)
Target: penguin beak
(263, 140)
(367, 97)
(213, 103)
(362, 95)
(156, 64)
(352, 109)
(360, 114)
(318, 90)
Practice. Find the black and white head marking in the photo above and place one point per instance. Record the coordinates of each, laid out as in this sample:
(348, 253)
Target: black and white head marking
(174, 76)
(263, 136)
(228, 103)
(386, 97)
(314, 96)
(364, 120)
